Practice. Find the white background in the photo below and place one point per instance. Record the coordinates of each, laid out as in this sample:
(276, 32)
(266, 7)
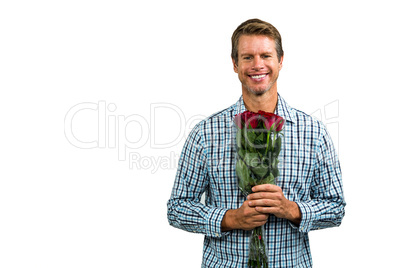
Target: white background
(65, 206)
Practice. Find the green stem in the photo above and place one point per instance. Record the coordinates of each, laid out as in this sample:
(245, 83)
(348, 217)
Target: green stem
(266, 150)
(257, 257)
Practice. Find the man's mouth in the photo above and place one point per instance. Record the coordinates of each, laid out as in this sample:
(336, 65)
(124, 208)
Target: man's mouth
(258, 76)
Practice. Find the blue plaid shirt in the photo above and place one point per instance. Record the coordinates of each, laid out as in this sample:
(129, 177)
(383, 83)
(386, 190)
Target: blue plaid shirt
(310, 175)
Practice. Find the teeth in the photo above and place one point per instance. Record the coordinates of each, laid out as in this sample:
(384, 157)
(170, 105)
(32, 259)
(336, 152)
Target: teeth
(258, 76)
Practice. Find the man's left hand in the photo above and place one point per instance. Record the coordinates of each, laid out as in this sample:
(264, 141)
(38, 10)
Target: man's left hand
(269, 198)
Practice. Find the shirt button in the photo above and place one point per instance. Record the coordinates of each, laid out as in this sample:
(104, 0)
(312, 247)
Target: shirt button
(216, 234)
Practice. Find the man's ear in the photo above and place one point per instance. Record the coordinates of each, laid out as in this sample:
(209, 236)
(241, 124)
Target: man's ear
(234, 66)
(280, 63)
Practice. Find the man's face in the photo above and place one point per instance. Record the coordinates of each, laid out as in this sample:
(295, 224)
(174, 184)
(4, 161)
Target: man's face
(258, 66)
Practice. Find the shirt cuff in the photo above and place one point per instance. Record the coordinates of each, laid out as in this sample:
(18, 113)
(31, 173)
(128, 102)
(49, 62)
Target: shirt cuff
(214, 223)
(307, 218)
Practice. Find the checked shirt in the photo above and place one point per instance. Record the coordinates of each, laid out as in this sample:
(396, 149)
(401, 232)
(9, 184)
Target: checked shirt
(310, 175)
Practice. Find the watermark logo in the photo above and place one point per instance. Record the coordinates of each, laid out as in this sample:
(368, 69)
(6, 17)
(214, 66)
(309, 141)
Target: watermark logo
(166, 126)
(127, 134)
(329, 115)
(153, 163)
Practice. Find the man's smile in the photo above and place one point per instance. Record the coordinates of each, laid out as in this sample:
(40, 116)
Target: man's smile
(258, 77)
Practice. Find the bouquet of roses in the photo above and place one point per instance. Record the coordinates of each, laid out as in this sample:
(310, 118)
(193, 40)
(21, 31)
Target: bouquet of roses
(258, 144)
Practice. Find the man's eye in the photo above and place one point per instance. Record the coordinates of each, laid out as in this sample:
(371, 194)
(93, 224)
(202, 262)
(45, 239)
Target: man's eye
(247, 58)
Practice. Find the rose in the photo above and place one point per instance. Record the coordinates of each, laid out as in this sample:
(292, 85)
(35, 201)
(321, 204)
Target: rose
(258, 144)
(247, 119)
(251, 119)
(272, 120)
(268, 119)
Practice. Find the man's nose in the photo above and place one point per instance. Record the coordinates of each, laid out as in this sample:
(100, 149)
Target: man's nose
(257, 63)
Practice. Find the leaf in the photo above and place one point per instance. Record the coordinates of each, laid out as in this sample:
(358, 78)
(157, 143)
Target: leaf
(239, 138)
(244, 179)
(252, 159)
(275, 172)
(259, 138)
(260, 171)
(241, 152)
(260, 144)
(278, 145)
(256, 165)
(269, 179)
(250, 137)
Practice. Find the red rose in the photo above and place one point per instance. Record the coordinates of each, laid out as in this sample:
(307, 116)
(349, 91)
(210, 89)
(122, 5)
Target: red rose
(272, 120)
(268, 119)
(279, 124)
(251, 119)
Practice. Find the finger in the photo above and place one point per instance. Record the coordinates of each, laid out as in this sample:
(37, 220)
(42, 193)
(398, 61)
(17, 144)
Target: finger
(249, 212)
(263, 203)
(261, 217)
(262, 195)
(266, 188)
(267, 210)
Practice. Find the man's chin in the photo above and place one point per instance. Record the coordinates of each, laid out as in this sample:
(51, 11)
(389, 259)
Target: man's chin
(257, 91)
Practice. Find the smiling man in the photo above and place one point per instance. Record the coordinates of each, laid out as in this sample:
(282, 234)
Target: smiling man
(308, 194)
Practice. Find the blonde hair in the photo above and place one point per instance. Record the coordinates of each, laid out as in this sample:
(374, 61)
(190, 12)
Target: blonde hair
(256, 27)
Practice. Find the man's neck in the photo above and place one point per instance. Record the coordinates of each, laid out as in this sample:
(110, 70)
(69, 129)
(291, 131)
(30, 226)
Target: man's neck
(266, 102)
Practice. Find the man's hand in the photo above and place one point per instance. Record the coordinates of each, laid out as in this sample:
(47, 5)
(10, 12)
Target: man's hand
(245, 218)
(266, 199)
(269, 198)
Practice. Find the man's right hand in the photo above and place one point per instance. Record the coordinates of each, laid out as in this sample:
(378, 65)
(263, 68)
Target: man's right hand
(245, 218)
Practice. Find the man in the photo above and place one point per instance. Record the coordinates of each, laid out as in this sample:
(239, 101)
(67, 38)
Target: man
(308, 194)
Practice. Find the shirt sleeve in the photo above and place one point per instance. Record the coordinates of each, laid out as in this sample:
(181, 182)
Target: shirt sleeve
(185, 210)
(326, 206)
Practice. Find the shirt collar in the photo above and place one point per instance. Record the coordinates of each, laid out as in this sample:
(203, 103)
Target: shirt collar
(282, 109)
(239, 106)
